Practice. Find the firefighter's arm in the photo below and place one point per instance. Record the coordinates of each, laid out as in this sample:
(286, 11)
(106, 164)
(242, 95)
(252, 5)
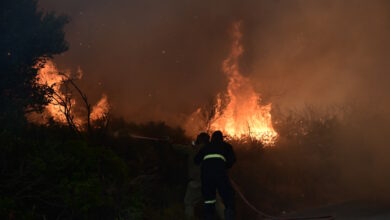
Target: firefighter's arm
(199, 157)
(231, 157)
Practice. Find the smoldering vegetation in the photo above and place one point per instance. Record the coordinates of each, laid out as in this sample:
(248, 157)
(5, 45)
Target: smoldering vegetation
(322, 157)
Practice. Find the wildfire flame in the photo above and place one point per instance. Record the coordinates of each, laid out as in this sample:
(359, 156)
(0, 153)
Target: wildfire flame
(50, 76)
(100, 109)
(243, 116)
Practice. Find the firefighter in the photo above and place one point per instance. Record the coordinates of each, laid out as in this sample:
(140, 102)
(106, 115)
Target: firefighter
(215, 160)
(193, 194)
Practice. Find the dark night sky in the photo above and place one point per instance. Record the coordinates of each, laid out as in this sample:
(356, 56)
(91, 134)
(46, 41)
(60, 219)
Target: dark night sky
(161, 59)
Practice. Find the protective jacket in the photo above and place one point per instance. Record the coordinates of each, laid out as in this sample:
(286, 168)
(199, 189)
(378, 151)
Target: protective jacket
(193, 192)
(215, 159)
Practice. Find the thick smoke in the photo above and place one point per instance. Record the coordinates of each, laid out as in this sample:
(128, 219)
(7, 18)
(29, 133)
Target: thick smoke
(161, 60)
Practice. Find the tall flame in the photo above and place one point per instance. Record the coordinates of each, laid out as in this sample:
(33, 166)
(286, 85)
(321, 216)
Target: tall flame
(243, 116)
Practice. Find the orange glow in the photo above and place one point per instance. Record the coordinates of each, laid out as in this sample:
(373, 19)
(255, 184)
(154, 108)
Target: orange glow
(243, 117)
(100, 109)
(50, 76)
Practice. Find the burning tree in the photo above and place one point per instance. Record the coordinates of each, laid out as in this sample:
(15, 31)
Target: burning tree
(62, 101)
(27, 36)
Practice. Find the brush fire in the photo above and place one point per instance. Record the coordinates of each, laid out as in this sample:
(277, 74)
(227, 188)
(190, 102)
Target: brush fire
(238, 113)
(194, 109)
(62, 103)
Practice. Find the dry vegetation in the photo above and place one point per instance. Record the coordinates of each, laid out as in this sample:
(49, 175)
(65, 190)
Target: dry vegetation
(320, 158)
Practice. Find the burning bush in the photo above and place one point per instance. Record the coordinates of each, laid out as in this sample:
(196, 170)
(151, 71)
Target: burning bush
(299, 172)
(240, 114)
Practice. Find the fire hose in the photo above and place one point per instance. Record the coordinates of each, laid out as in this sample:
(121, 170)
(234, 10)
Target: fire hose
(242, 196)
(270, 217)
(148, 138)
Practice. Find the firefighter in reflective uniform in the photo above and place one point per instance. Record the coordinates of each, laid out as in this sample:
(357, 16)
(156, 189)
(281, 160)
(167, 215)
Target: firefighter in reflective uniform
(193, 195)
(215, 160)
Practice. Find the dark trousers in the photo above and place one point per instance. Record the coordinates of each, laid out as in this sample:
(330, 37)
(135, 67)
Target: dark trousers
(210, 185)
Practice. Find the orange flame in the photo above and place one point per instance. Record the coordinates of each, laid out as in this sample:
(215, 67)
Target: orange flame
(243, 117)
(50, 76)
(100, 109)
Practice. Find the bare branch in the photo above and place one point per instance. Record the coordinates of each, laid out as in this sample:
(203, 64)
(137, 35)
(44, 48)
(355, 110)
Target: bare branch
(87, 105)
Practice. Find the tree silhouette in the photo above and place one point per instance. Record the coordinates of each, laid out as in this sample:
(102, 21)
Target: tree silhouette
(28, 37)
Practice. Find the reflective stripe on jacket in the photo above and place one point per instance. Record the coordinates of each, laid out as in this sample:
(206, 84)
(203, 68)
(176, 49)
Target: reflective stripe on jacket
(218, 152)
(212, 156)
